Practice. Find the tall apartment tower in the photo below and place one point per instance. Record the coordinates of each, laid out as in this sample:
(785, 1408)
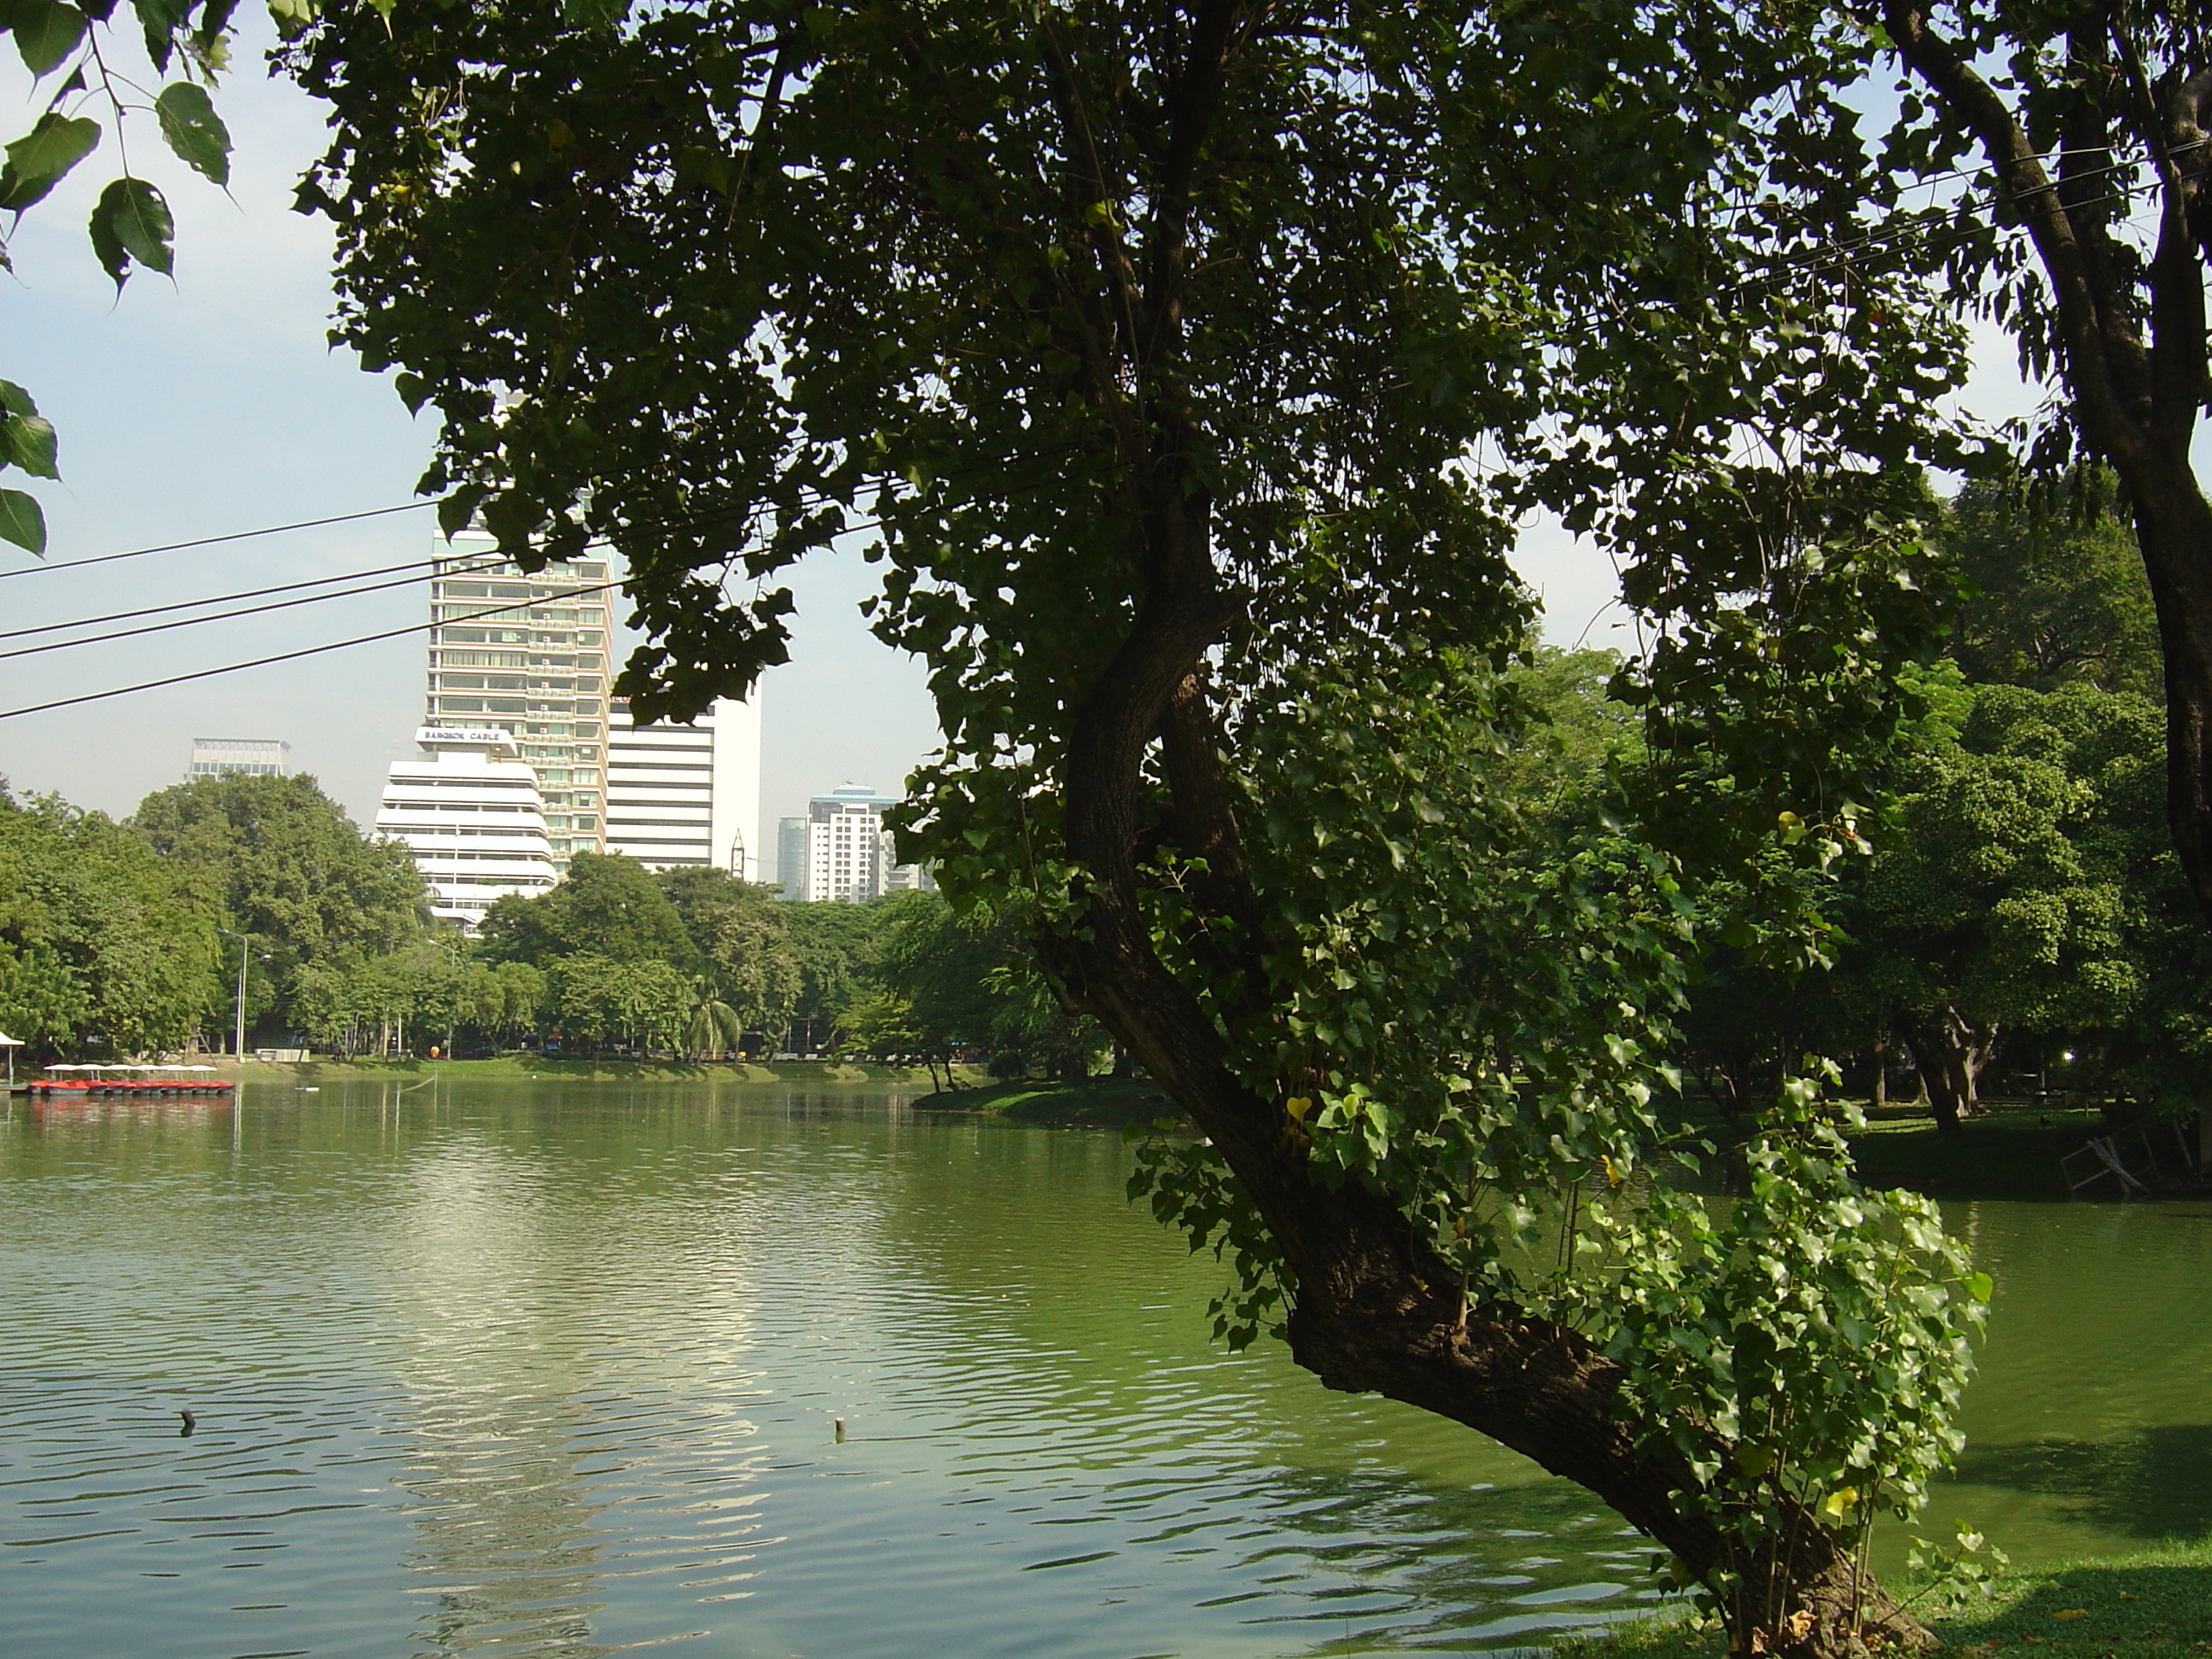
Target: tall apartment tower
(680, 795)
(468, 812)
(536, 667)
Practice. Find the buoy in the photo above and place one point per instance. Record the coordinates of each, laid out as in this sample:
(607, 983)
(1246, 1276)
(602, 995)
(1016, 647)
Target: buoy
(191, 1423)
(840, 1430)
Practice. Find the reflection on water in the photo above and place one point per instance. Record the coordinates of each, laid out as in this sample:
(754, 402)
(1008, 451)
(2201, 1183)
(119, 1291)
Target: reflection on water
(552, 1370)
(2086, 1431)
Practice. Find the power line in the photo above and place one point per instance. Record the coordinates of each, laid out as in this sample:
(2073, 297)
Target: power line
(341, 645)
(210, 541)
(219, 615)
(224, 598)
(304, 651)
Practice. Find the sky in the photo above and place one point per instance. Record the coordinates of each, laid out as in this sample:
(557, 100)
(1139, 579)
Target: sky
(213, 403)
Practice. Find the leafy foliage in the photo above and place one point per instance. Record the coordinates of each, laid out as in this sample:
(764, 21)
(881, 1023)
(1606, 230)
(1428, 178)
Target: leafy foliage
(131, 225)
(282, 862)
(609, 906)
(105, 948)
(1190, 365)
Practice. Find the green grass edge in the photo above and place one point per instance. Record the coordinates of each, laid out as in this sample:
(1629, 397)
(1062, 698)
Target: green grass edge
(2153, 1603)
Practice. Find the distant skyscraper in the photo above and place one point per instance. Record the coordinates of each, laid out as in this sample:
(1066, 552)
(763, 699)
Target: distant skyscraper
(470, 813)
(256, 757)
(791, 857)
(849, 850)
(687, 795)
(537, 669)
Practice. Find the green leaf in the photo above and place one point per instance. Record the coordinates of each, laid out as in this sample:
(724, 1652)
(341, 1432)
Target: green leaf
(21, 522)
(291, 16)
(42, 158)
(15, 400)
(131, 222)
(194, 130)
(593, 13)
(46, 32)
(32, 445)
(1980, 1286)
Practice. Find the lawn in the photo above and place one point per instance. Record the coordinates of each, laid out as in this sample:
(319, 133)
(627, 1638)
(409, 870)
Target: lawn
(2152, 1605)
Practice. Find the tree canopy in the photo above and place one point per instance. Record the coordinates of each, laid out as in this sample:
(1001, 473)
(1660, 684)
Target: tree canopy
(105, 948)
(1189, 366)
(285, 866)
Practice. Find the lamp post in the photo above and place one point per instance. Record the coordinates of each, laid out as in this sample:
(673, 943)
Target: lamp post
(238, 1031)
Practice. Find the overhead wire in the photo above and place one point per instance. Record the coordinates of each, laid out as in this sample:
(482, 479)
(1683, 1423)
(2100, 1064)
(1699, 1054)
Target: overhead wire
(216, 616)
(292, 656)
(210, 541)
(225, 599)
(341, 645)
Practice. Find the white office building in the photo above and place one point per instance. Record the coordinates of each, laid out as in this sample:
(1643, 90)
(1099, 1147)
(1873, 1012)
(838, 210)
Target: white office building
(849, 850)
(253, 757)
(687, 795)
(468, 811)
(528, 655)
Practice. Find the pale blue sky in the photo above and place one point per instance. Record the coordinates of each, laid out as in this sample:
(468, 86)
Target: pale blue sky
(213, 404)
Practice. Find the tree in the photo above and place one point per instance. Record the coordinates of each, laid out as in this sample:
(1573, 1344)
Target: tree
(104, 947)
(285, 865)
(745, 936)
(2099, 107)
(2056, 596)
(832, 945)
(609, 906)
(601, 999)
(1158, 343)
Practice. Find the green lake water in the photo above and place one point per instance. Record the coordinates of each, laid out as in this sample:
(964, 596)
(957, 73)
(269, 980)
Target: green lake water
(553, 1369)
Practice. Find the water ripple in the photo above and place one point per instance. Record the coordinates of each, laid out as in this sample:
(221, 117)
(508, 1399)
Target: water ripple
(552, 1372)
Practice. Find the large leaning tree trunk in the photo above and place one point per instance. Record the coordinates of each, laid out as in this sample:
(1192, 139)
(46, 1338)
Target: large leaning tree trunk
(2106, 116)
(1161, 350)
(1950, 1052)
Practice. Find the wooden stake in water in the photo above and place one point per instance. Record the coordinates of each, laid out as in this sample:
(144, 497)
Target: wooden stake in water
(840, 1423)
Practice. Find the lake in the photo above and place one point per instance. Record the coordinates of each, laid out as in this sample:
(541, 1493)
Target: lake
(555, 1368)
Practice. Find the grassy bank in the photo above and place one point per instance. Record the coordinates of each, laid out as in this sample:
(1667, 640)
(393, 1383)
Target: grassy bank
(2001, 1154)
(2152, 1605)
(1106, 1101)
(524, 1068)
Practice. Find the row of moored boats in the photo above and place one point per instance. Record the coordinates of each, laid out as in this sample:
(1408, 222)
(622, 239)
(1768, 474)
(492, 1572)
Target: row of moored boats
(66, 1082)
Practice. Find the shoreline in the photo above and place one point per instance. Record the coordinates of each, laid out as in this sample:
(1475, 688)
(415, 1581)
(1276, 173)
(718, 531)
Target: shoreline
(2153, 1603)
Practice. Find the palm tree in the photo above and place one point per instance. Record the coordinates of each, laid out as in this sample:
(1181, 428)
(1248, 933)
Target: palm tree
(716, 1027)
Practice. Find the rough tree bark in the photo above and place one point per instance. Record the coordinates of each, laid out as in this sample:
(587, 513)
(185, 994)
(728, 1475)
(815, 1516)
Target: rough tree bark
(2134, 400)
(1375, 1309)
(1949, 1053)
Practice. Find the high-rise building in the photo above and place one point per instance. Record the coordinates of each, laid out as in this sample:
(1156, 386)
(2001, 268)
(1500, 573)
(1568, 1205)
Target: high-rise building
(791, 857)
(255, 758)
(687, 795)
(469, 812)
(536, 667)
(849, 850)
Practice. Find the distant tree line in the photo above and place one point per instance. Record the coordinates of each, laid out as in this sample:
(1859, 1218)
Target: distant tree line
(2022, 914)
(123, 938)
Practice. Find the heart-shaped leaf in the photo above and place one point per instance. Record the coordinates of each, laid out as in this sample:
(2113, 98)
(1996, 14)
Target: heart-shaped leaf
(21, 522)
(46, 32)
(43, 157)
(132, 222)
(194, 130)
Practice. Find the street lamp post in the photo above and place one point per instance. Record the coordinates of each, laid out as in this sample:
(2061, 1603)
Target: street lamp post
(238, 1029)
